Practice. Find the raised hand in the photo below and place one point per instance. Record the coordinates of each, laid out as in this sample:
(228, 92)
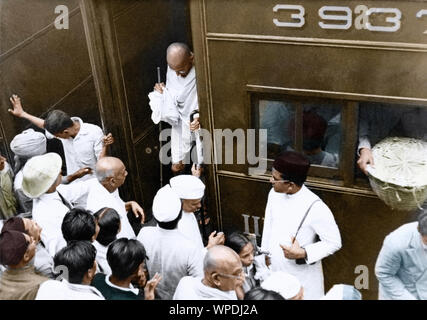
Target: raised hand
(150, 287)
(108, 139)
(159, 87)
(215, 239)
(17, 110)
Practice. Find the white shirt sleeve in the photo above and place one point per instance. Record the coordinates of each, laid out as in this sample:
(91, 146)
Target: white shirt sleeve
(76, 191)
(97, 145)
(325, 227)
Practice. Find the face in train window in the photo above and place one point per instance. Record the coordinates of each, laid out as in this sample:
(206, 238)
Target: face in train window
(317, 133)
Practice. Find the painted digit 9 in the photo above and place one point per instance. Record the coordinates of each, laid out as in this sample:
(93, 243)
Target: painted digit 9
(347, 17)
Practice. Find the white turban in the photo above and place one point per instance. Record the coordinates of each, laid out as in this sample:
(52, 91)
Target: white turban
(166, 205)
(28, 144)
(283, 283)
(187, 187)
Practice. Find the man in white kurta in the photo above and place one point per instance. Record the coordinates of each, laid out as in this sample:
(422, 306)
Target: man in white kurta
(169, 252)
(287, 204)
(111, 174)
(51, 200)
(191, 189)
(83, 143)
(175, 101)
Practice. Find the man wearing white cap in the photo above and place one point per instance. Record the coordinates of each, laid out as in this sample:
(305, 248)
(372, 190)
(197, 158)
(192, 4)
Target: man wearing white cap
(285, 284)
(191, 189)
(169, 252)
(27, 144)
(51, 199)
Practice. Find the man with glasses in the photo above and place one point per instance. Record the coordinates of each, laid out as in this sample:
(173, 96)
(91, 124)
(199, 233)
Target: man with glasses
(223, 273)
(176, 100)
(299, 229)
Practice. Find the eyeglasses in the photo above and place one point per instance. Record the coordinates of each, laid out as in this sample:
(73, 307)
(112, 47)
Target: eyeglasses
(275, 180)
(232, 275)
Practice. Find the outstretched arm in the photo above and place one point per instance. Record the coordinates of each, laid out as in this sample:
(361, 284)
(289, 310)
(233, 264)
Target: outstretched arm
(19, 112)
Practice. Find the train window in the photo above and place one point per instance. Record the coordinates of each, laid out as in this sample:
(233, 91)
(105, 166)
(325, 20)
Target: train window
(276, 117)
(310, 126)
(380, 120)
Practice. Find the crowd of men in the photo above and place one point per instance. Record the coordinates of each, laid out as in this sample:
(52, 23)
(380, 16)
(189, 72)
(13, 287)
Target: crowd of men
(74, 237)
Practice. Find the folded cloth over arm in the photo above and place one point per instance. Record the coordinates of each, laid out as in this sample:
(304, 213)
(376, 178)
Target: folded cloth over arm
(164, 107)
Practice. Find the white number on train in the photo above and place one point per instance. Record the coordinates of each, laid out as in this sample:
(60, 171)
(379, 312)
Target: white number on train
(341, 18)
(421, 13)
(295, 16)
(362, 19)
(395, 20)
(346, 16)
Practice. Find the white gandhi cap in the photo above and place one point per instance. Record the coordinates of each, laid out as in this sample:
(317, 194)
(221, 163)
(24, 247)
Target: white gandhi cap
(283, 283)
(188, 187)
(166, 205)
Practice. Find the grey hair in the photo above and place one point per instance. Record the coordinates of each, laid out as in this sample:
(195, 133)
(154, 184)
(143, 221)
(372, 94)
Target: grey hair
(179, 45)
(101, 175)
(209, 263)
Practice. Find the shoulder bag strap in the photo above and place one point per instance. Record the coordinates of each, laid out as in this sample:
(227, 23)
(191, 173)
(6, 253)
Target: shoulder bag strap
(305, 216)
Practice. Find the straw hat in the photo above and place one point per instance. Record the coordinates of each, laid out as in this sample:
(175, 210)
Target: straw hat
(40, 172)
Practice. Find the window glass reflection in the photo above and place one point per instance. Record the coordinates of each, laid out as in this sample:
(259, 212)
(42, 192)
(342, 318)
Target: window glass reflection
(321, 129)
(276, 117)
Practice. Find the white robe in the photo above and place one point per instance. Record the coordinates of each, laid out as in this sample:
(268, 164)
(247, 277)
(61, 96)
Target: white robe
(172, 256)
(283, 215)
(49, 211)
(188, 227)
(174, 106)
(99, 197)
(190, 288)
